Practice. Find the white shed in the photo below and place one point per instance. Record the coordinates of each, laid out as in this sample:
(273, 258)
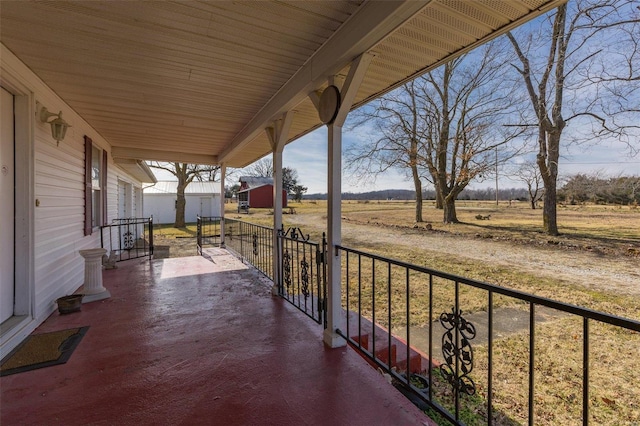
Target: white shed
(202, 198)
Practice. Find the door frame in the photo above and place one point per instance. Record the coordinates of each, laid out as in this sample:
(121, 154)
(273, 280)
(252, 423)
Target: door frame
(7, 252)
(23, 322)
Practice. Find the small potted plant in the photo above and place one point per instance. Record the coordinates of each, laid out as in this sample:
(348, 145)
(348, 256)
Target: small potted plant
(69, 304)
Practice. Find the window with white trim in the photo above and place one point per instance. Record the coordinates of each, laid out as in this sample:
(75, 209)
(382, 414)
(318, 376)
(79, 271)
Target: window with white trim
(95, 195)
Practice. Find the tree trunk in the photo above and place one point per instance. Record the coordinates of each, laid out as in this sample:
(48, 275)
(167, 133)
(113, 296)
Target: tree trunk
(549, 170)
(549, 214)
(418, 185)
(532, 196)
(450, 210)
(419, 207)
(439, 202)
(181, 203)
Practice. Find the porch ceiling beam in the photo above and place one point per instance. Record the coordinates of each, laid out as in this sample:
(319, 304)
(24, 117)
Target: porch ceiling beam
(371, 24)
(349, 88)
(159, 155)
(278, 132)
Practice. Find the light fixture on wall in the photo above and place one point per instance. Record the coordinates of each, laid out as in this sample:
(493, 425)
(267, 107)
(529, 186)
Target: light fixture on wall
(58, 125)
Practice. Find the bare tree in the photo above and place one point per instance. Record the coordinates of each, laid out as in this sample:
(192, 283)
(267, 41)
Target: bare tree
(581, 67)
(529, 173)
(289, 180)
(264, 168)
(261, 168)
(186, 173)
(443, 127)
(298, 192)
(396, 117)
(597, 188)
(466, 109)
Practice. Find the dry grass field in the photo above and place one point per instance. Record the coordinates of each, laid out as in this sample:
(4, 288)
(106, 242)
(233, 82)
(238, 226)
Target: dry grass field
(594, 263)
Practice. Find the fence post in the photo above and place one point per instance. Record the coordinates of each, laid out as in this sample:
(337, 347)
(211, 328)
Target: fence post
(150, 237)
(198, 234)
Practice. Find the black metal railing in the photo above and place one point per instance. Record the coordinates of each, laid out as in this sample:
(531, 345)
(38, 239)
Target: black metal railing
(252, 243)
(129, 238)
(419, 325)
(303, 272)
(302, 262)
(207, 231)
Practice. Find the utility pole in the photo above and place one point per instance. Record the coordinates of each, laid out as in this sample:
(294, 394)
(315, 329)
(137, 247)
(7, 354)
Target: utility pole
(496, 175)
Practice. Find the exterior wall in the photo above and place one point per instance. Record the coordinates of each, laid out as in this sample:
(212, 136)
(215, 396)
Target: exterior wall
(137, 202)
(162, 207)
(49, 265)
(262, 197)
(126, 196)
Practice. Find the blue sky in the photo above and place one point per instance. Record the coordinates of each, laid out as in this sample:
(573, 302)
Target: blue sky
(608, 157)
(308, 155)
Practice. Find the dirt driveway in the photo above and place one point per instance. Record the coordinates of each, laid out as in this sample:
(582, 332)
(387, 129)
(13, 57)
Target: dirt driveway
(612, 271)
(592, 270)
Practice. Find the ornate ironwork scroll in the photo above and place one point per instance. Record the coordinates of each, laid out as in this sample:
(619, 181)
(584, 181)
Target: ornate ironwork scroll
(255, 243)
(457, 351)
(127, 241)
(286, 268)
(294, 234)
(305, 276)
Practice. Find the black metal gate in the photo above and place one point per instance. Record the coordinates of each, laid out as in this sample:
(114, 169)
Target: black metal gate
(129, 238)
(303, 272)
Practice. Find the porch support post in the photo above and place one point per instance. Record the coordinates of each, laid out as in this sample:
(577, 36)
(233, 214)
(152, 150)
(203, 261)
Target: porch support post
(334, 237)
(335, 313)
(278, 134)
(223, 175)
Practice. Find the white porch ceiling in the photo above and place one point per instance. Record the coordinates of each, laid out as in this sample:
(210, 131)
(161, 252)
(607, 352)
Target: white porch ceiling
(198, 81)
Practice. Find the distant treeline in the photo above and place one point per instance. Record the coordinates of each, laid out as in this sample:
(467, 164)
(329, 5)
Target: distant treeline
(582, 188)
(577, 189)
(405, 194)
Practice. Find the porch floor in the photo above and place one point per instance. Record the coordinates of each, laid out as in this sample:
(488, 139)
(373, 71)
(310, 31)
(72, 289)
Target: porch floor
(199, 340)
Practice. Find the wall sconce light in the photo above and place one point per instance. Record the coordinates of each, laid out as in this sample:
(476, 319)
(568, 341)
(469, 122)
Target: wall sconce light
(58, 125)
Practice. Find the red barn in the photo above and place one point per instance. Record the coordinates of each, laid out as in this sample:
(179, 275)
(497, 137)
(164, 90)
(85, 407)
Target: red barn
(257, 192)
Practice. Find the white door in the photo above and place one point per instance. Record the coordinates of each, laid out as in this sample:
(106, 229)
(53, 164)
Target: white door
(7, 206)
(205, 207)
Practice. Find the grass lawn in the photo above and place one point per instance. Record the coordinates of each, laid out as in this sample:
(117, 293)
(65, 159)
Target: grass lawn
(608, 232)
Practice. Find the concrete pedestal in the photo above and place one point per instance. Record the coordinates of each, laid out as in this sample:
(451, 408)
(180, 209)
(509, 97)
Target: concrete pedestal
(93, 289)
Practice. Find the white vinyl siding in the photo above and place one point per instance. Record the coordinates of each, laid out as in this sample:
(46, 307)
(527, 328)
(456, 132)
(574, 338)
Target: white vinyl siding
(58, 202)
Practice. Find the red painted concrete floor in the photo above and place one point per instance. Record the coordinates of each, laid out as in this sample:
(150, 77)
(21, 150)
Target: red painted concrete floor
(194, 341)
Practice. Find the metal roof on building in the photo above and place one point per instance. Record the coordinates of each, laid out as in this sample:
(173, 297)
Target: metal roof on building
(254, 181)
(194, 188)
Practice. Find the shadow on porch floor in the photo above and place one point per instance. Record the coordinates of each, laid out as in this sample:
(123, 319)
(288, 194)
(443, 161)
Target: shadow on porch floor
(199, 341)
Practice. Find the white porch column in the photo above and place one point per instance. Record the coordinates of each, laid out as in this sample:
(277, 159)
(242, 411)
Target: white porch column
(334, 237)
(223, 175)
(93, 289)
(334, 113)
(278, 135)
